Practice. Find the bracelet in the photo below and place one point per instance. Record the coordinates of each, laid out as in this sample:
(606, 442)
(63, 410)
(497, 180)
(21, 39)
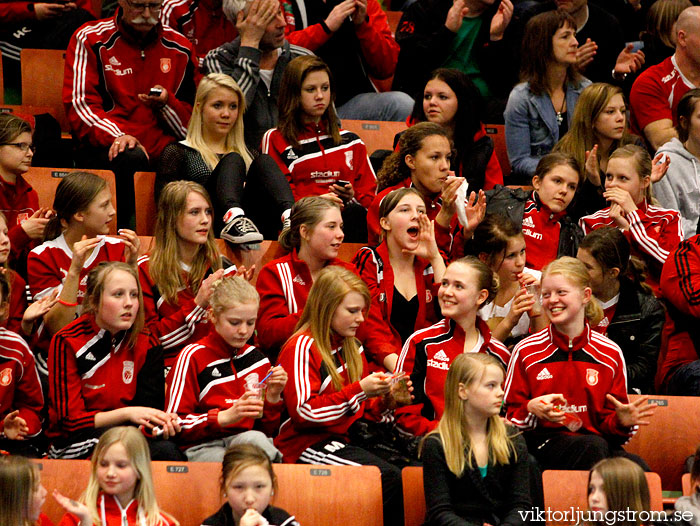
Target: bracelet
(66, 304)
(325, 27)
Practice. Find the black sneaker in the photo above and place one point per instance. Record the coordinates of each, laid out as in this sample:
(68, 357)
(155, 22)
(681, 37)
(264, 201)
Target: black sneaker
(241, 230)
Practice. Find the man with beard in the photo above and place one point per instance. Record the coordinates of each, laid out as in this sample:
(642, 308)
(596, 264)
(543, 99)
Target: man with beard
(256, 61)
(128, 89)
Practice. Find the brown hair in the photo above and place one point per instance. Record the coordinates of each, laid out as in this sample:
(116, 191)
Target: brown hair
(74, 194)
(491, 238)
(394, 170)
(684, 111)
(95, 288)
(306, 211)
(241, 456)
(550, 161)
(537, 50)
(625, 486)
(291, 124)
(19, 478)
(12, 127)
(487, 279)
(661, 20)
(391, 201)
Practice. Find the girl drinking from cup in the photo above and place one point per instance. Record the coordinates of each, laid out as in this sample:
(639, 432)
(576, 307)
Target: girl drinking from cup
(104, 370)
(468, 285)
(313, 240)
(566, 386)
(331, 387)
(220, 386)
(76, 243)
(651, 230)
(404, 271)
(632, 317)
(21, 493)
(317, 156)
(422, 161)
(475, 467)
(120, 491)
(543, 213)
(177, 273)
(516, 309)
(248, 484)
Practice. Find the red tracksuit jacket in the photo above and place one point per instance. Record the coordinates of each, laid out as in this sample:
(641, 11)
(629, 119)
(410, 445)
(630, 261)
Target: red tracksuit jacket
(316, 409)
(210, 376)
(113, 514)
(584, 370)
(90, 371)
(426, 357)
(317, 162)
(654, 232)
(176, 325)
(18, 202)
(106, 70)
(20, 388)
(284, 285)
(375, 269)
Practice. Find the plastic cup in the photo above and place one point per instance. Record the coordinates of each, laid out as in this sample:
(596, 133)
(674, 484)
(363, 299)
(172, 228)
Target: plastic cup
(571, 420)
(534, 289)
(401, 393)
(258, 389)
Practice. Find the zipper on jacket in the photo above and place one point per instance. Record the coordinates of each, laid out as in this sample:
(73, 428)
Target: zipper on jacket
(571, 348)
(143, 55)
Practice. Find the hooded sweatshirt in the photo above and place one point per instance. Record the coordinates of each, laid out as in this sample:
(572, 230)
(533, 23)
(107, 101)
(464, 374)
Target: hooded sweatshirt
(679, 189)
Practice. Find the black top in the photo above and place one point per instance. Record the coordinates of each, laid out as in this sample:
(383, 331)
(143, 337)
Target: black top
(403, 314)
(470, 499)
(274, 516)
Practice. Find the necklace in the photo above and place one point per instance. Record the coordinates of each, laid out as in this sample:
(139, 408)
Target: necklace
(560, 116)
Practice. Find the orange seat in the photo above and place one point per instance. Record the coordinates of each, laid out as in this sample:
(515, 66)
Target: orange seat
(393, 18)
(497, 132)
(377, 135)
(568, 490)
(146, 209)
(671, 436)
(413, 496)
(42, 80)
(70, 477)
(45, 181)
(687, 486)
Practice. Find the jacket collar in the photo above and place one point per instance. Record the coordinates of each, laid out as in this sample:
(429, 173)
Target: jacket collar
(562, 340)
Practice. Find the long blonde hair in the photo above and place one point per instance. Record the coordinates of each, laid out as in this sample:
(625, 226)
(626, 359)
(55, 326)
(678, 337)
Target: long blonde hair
(19, 478)
(234, 139)
(581, 135)
(137, 450)
(575, 271)
(164, 264)
(467, 369)
(327, 293)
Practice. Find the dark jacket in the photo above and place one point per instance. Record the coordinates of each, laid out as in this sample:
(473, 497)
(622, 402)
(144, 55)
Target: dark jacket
(636, 327)
(426, 42)
(471, 500)
(511, 202)
(276, 516)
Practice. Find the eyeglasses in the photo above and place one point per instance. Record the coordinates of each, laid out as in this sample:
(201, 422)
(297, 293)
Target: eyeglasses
(24, 146)
(140, 8)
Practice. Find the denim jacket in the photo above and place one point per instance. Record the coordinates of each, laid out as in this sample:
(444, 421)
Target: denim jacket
(531, 124)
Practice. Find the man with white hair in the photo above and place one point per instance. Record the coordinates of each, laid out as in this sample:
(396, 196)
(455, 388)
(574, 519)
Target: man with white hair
(256, 61)
(657, 91)
(128, 88)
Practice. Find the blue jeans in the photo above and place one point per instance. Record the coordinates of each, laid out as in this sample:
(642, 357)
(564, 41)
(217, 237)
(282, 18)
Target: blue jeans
(386, 106)
(685, 381)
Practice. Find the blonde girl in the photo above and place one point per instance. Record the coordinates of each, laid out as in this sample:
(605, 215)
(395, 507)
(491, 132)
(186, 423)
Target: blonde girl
(220, 376)
(515, 311)
(21, 493)
(120, 491)
(214, 154)
(618, 485)
(652, 231)
(178, 272)
(566, 386)
(331, 387)
(248, 484)
(473, 453)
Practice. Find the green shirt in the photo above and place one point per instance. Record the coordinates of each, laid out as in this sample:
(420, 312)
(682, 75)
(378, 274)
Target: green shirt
(461, 57)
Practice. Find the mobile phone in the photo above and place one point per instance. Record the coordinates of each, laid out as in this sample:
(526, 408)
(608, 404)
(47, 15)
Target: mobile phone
(637, 45)
(155, 92)
(340, 182)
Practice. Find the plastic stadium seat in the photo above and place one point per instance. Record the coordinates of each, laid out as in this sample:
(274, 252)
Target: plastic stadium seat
(42, 80)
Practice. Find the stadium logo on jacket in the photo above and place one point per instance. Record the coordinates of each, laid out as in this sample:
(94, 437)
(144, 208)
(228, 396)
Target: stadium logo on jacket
(128, 372)
(6, 377)
(165, 65)
(591, 376)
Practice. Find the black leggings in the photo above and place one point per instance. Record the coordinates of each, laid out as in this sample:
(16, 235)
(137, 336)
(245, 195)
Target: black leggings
(263, 187)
